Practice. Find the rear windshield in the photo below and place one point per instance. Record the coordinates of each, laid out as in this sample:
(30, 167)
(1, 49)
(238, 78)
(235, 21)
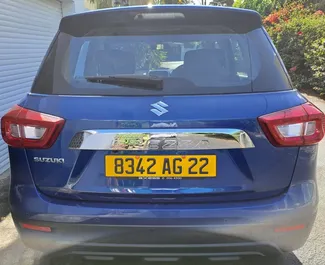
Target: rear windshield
(215, 57)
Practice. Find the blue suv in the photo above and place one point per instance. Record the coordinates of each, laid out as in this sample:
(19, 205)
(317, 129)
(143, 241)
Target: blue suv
(163, 133)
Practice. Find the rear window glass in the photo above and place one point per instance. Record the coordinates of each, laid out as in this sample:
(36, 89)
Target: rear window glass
(190, 59)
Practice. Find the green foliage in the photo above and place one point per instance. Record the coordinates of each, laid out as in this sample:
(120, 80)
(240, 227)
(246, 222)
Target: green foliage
(298, 33)
(101, 3)
(146, 57)
(155, 58)
(264, 7)
(222, 3)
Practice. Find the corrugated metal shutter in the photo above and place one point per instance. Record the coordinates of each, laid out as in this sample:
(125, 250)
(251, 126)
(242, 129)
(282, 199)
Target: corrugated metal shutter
(26, 30)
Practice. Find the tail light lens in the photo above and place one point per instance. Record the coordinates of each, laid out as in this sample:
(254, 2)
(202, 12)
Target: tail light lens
(25, 128)
(298, 126)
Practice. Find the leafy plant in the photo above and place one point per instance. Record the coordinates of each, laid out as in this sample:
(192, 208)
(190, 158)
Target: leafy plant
(264, 7)
(146, 57)
(298, 33)
(102, 3)
(222, 3)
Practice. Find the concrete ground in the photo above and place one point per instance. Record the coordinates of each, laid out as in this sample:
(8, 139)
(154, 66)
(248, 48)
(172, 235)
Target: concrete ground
(12, 251)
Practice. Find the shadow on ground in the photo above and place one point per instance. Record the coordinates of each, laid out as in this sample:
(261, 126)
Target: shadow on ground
(16, 253)
(290, 259)
(13, 252)
(4, 197)
(312, 92)
(4, 211)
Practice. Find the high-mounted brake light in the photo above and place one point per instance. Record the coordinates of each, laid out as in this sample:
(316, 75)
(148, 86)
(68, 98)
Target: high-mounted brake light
(25, 128)
(298, 126)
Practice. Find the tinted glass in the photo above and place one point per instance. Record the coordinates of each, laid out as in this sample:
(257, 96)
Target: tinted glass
(191, 59)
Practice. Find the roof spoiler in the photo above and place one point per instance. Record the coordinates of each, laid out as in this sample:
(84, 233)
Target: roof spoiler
(238, 20)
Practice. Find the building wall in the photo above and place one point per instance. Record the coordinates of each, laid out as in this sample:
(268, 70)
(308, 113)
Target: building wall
(27, 28)
(67, 8)
(79, 6)
(70, 7)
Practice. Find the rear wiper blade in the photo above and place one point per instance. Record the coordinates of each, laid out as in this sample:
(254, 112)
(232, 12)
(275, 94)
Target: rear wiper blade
(131, 81)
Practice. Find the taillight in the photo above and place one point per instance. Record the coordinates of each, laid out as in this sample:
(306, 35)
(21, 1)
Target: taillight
(298, 126)
(25, 128)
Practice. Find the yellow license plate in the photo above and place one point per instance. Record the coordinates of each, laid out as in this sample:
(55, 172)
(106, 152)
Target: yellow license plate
(191, 166)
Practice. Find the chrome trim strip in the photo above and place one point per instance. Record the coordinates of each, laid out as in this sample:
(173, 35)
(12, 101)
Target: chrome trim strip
(161, 139)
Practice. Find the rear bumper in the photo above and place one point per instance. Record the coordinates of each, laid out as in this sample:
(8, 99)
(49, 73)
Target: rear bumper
(156, 242)
(144, 231)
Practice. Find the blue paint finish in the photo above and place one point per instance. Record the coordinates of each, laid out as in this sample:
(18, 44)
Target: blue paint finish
(226, 107)
(265, 185)
(297, 206)
(242, 173)
(29, 204)
(306, 165)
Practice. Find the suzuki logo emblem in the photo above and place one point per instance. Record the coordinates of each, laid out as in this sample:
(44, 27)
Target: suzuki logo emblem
(159, 108)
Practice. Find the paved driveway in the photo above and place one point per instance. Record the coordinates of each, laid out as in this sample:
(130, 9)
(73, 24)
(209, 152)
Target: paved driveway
(12, 251)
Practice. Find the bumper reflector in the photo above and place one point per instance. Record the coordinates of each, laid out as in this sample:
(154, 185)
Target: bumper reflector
(37, 228)
(289, 228)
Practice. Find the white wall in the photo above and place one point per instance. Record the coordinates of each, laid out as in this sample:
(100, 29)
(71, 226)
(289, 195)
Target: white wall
(79, 6)
(27, 28)
(67, 8)
(70, 7)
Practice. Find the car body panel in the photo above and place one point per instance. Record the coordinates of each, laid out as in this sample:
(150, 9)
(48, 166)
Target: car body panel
(83, 170)
(262, 194)
(249, 221)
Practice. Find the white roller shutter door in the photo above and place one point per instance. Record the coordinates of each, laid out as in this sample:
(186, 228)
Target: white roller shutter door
(27, 28)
